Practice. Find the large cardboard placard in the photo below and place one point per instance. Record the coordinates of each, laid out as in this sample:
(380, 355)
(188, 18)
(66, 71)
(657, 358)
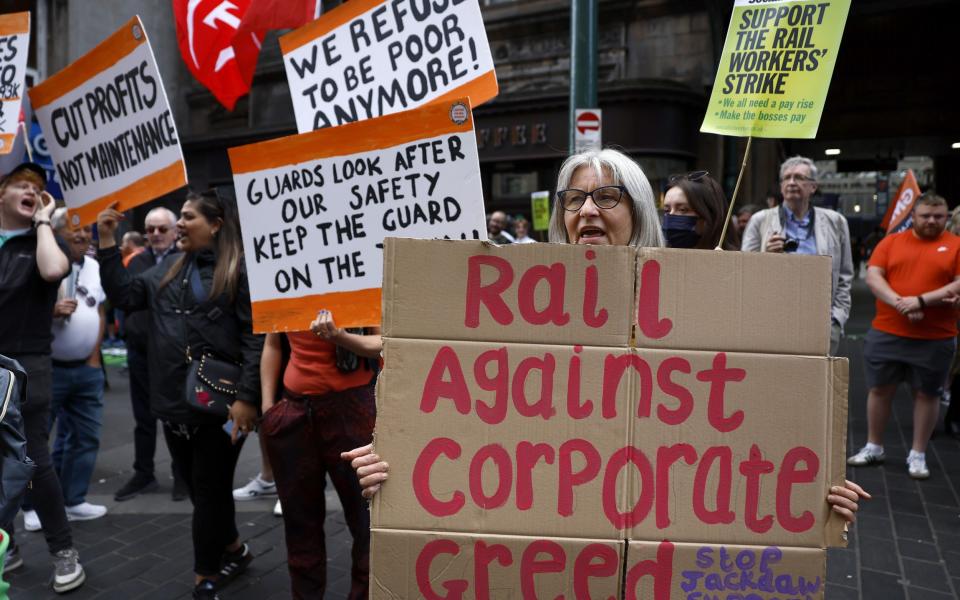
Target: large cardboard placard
(109, 127)
(704, 469)
(776, 67)
(316, 207)
(550, 293)
(369, 58)
(14, 47)
(607, 443)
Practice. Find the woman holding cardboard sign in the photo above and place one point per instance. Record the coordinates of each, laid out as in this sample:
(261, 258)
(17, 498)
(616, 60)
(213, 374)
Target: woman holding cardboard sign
(605, 199)
(203, 359)
(326, 406)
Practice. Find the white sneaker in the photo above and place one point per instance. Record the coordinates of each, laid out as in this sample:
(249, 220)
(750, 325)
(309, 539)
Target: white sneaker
(67, 572)
(917, 466)
(865, 457)
(277, 509)
(85, 512)
(257, 488)
(31, 522)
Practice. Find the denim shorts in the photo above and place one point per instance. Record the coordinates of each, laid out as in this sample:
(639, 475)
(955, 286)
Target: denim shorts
(923, 364)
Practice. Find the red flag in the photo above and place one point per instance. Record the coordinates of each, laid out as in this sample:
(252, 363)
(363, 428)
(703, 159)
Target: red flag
(218, 57)
(266, 15)
(899, 212)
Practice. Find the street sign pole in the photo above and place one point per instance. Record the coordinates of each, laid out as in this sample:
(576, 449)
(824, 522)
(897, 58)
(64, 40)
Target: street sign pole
(583, 59)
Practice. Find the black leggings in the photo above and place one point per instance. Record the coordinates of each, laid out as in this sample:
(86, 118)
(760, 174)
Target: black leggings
(206, 459)
(46, 496)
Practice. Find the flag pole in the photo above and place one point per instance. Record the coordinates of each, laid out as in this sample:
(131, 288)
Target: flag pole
(26, 140)
(736, 190)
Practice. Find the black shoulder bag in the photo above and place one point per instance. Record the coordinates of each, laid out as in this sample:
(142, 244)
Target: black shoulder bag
(16, 469)
(212, 383)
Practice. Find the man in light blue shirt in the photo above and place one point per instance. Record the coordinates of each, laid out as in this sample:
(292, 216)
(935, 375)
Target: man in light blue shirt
(798, 227)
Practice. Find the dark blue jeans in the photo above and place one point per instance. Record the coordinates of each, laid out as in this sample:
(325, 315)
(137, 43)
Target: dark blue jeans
(77, 409)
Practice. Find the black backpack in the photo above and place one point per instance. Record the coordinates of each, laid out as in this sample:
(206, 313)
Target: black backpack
(16, 469)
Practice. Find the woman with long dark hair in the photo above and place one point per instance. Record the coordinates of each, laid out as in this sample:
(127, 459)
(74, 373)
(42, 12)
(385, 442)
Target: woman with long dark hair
(199, 305)
(694, 211)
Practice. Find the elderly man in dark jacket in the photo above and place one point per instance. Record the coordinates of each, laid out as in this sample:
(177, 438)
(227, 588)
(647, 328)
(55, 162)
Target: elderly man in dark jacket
(160, 226)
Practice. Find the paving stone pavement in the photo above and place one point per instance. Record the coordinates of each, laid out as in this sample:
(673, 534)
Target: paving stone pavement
(142, 548)
(905, 546)
(906, 543)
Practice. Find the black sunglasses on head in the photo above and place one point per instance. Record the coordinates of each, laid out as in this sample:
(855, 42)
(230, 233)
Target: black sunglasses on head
(691, 176)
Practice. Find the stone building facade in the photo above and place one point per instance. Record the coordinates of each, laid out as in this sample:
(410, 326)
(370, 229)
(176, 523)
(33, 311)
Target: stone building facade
(657, 59)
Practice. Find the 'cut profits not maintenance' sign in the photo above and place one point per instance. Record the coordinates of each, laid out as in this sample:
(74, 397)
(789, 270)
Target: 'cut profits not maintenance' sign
(776, 67)
(109, 128)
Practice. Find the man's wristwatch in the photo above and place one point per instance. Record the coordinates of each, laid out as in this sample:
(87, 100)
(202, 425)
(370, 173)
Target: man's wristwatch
(920, 300)
(40, 222)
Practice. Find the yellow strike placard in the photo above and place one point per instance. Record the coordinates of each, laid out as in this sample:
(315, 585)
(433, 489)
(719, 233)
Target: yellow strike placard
(776, 67)
(540, 207)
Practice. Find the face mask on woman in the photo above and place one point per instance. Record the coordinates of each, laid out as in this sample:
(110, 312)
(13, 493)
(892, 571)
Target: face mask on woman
(680, 231)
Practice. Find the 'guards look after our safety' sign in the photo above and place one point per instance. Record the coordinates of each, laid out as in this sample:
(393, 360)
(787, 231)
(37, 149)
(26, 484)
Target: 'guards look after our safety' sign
(776, 67)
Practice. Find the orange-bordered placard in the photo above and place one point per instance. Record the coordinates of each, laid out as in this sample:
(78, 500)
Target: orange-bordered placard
(369, 58)
(316, 207)
(109, 127)
(15, 34)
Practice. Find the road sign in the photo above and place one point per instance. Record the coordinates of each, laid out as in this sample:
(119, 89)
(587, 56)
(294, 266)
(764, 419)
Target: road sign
(588, 129)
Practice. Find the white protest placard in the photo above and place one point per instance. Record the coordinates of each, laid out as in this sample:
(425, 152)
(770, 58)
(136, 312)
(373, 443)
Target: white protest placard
(316, 207)
(109, 128)
(369, 58)
(14, 47)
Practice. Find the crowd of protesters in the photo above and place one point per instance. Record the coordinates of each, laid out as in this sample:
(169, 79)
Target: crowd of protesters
(181, 293)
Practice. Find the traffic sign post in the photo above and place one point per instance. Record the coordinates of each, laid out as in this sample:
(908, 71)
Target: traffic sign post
(588, 129)
(584, 34)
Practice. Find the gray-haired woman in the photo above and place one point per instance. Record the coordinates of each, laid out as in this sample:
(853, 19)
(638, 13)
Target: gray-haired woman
(603, 199)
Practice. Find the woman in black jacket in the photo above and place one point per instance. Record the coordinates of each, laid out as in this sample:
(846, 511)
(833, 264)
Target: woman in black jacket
(184, 327)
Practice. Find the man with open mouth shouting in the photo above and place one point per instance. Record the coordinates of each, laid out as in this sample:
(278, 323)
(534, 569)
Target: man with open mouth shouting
(32, 263)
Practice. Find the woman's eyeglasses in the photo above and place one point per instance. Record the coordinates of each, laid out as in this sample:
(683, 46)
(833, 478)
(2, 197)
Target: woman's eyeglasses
(691, 176)
(605, 197)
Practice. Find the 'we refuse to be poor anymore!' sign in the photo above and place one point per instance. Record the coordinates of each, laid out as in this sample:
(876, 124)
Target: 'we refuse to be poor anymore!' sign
(776, 67)
(14, 47)
(315, 208)
(369, 58)
(109, 128)
(532, 448)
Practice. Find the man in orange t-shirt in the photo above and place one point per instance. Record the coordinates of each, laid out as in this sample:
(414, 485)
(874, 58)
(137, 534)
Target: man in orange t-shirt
(915, 275)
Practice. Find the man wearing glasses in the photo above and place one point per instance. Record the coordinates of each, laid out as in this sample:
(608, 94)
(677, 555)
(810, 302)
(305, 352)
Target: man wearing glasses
(798, 227)
(161, 230)
(77, 408)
